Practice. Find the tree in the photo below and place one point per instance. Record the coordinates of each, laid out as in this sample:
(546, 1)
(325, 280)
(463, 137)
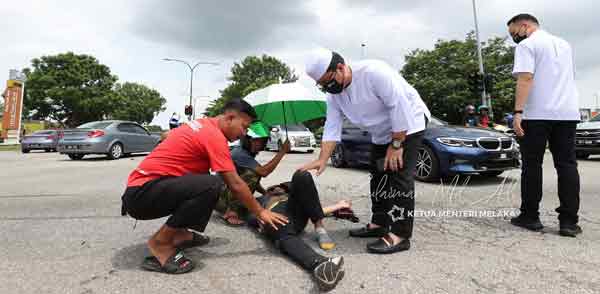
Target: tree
(68, 88)
(252, 74)
(447, 77)
(136, 102)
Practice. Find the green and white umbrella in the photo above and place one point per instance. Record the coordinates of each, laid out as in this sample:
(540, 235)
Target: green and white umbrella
(289, 103)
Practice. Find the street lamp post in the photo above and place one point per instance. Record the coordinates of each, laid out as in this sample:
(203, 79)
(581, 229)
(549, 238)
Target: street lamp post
(481, 71)
(192, 68)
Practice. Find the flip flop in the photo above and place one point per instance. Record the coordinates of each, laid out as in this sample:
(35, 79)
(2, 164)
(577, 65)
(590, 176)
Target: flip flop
(176, 264)
(227, 220)
(197, 240)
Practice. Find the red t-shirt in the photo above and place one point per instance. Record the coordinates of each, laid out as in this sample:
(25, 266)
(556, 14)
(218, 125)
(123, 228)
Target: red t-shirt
(194, 147)
(485, 121)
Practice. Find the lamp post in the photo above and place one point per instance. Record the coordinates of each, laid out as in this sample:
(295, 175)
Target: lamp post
(192, 68)
(480, 56)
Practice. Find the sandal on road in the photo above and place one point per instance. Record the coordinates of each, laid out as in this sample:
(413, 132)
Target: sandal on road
(176, 264)
(197, 240)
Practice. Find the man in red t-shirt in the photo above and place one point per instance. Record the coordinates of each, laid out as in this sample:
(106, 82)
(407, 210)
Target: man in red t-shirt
(174, 181)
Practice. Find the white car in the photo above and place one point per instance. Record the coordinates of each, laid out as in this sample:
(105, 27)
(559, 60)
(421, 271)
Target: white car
(301, 138)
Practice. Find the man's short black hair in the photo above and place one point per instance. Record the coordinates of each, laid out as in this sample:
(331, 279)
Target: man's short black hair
(241, 106)
(522, 17)
(335, 60)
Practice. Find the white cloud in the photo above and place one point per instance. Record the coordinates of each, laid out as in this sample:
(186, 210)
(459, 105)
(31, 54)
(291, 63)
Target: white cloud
(133, 36)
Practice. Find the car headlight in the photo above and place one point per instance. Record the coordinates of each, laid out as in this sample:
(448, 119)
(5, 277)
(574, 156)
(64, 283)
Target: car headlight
(457, 142)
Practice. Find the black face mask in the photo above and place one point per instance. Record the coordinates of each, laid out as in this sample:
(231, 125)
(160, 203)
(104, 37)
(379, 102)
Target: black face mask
(333, 87)
(517, 38)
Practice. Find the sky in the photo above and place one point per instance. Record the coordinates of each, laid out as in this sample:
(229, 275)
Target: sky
(133, 37)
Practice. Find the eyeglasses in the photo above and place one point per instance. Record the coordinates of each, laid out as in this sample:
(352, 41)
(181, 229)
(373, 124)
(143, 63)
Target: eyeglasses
(328, 84)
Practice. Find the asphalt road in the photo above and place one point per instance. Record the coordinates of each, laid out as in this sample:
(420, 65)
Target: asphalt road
(61, 232)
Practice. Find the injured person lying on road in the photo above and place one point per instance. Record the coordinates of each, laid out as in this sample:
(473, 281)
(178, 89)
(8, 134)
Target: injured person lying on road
(299, 201)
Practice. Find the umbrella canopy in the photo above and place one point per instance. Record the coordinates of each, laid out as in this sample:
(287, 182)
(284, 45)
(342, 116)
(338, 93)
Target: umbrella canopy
(289, 103)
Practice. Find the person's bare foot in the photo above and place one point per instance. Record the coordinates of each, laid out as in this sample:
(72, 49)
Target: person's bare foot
(161, 250)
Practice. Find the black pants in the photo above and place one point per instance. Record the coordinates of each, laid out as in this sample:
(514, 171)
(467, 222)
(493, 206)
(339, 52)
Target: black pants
(189, 200)
(561, 138)
(393, 193)
(303, 204)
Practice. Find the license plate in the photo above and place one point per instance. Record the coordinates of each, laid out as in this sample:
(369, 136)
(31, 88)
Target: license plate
(580, 142)
(72, 147)
(503, 156)
(589, 142)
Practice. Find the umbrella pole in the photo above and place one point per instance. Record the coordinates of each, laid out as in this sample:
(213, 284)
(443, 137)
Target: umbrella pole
(284, 120)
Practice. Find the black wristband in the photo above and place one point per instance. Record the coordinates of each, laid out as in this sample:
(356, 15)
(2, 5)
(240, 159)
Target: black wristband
(518, 111)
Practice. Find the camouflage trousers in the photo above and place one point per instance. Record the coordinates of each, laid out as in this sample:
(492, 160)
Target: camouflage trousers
(229, 202)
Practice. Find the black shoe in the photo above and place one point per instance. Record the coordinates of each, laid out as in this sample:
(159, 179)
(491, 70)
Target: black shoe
(365, 232)
(381, 247)
(328, 273)
(571, 230)
(527, 223)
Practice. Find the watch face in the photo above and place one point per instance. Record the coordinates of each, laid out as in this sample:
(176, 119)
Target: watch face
(396, 144)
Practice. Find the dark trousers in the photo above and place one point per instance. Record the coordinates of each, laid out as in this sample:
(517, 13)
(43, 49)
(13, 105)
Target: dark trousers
(561, 138)
(302, 204)
(393, 193)
(189, 200)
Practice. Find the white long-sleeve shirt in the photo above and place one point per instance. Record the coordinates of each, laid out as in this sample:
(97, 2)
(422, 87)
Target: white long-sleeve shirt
(379, 100)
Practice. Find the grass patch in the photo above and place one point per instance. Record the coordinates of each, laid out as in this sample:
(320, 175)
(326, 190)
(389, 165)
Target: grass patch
(10, 147)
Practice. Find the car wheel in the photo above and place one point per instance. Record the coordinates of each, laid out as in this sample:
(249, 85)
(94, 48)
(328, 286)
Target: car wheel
(48, 150)
(581, 155)
(310, 151)
(115, 151)
(25, 150)
(337, 157)
(491, 174)
(76, 156)
(427, 168)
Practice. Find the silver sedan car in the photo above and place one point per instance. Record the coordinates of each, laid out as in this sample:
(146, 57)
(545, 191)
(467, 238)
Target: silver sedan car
(111, 137)
(41, 140)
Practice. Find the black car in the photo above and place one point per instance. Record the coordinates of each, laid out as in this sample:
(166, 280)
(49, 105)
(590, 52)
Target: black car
(446, 150)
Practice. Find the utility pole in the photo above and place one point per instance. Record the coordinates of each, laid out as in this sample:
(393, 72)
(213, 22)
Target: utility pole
(481, 71)
(192, 68)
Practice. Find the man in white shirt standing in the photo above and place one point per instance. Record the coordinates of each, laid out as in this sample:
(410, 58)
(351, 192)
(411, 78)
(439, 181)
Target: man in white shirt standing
(373, 96)
(546, 110)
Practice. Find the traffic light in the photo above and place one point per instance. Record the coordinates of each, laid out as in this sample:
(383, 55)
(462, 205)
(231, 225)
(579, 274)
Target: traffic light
(189, 110)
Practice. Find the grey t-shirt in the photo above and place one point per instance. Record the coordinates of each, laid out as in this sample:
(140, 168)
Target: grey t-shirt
(241, 157)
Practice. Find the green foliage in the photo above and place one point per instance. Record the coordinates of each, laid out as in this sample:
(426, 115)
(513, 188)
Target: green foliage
(251, 74)
(447, 77)
(74, 89)
(69, 88)
(136, 102)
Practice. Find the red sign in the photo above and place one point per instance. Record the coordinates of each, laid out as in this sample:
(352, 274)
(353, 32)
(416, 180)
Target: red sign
(13, 100)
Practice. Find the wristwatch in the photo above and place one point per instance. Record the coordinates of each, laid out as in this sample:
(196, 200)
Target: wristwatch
(397, 144)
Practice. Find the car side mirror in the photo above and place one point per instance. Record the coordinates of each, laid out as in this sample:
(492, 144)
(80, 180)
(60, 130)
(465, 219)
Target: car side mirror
(275, 130)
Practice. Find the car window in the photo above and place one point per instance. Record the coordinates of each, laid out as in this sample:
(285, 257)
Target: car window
(139, 130)
(95, 125)
(45, 132)
(125, 127)
(296, 128)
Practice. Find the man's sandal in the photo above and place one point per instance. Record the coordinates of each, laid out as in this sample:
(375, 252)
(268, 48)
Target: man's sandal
(176, 264)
